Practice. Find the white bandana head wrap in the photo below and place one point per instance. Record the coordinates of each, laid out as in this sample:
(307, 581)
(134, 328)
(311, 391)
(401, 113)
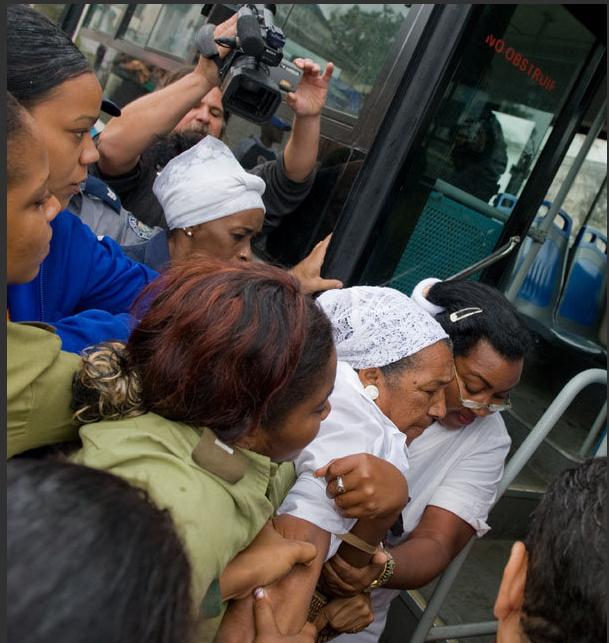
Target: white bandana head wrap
(205, 183)
(376, 326)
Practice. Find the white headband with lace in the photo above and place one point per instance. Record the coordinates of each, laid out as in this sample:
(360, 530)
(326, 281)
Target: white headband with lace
(375, 326)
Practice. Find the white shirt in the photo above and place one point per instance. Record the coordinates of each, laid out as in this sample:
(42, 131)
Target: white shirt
(456, 469)
(355, 425)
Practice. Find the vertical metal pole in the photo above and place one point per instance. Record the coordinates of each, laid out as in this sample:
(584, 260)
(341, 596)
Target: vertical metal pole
(594, 431)
(548, 221)
(81, 19)
(602, 447)
(595, 201)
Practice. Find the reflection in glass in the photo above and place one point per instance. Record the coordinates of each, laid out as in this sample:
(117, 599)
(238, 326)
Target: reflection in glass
(104, 17)
(175, 28)
(484, 139)
(355, 37)
(142, 22)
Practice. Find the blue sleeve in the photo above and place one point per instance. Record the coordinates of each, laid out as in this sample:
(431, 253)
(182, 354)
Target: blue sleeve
(113, 280)
(111, 284)
(85, 288)
(92, 327)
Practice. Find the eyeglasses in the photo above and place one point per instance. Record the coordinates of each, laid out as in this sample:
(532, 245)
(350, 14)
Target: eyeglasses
(478, 406)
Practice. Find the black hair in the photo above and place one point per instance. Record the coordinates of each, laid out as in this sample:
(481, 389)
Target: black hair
(565, 593)
(40, 56)
(17, 130)
(90, 558)
(499, 322)
(167, 146)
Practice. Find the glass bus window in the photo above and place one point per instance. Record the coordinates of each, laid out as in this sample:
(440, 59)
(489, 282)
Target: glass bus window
(175, 28)
(122, 77)
(52, 11)
(355, 37)
(104, 17)
(142, 22)
(518, 65)
(584, 201)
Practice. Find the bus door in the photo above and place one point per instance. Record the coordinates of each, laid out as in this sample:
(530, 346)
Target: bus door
(502, 111)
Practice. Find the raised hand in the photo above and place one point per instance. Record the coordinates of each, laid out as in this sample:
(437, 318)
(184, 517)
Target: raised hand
(310, 95)
(338, 578)
(309, 269)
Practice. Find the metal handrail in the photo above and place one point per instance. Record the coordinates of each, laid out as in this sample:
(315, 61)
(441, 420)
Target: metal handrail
(500, 253)
(515, 465)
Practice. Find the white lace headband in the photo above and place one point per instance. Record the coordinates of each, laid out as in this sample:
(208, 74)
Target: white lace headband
(418, 295)
(376, 326)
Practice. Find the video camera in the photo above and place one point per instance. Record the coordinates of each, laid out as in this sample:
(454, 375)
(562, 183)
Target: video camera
(253, 74)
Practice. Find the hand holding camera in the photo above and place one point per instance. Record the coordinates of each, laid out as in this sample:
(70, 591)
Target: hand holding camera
(249, 87)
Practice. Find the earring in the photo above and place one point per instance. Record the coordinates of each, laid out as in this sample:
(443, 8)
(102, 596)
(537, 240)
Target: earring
(188, 233)
(371, 391)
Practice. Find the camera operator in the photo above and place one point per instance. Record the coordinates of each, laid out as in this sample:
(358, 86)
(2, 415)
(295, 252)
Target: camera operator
(155, 128)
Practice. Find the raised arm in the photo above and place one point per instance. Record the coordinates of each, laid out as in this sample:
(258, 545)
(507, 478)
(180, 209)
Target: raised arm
(156, 114)
(300, 154)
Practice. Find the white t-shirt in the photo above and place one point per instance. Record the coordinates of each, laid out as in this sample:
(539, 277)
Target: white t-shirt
(355, 425)
(456, 469)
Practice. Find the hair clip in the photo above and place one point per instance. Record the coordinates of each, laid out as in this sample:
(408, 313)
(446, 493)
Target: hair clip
(458, 315)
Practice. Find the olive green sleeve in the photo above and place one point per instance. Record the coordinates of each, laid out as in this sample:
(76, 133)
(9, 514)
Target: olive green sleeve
(205, 516)
(39, 389)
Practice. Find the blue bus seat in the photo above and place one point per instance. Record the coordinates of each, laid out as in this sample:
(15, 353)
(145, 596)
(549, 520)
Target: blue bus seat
(542, 284)
(583, 300)
(447, 238)
(505, 202)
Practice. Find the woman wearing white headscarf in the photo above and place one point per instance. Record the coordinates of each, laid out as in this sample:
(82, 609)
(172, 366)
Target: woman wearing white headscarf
(395, 361)
(457, 463)
(213, 206)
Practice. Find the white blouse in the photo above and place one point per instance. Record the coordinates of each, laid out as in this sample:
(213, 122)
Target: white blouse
(456, 469)
(355, 425)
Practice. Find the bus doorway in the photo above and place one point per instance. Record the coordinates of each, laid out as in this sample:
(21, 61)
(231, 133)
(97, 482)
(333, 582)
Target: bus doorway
(473, 149)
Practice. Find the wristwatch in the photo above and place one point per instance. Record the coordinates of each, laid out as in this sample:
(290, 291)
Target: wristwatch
(385, 575)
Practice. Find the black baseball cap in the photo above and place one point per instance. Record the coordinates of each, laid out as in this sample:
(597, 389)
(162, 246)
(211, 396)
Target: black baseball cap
(110, 107)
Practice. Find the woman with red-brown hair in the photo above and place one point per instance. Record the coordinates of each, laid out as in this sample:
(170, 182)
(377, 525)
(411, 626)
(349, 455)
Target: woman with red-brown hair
(222, 383)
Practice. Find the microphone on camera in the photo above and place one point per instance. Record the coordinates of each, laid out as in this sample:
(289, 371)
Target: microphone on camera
(248, 32)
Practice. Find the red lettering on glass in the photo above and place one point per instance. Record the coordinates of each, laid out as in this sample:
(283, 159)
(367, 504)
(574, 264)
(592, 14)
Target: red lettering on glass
(520, 62)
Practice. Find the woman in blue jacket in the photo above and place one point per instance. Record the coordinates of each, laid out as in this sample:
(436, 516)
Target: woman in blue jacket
(86, 285)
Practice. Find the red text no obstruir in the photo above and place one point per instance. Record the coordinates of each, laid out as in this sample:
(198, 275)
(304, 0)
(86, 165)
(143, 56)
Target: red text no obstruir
(521, 63)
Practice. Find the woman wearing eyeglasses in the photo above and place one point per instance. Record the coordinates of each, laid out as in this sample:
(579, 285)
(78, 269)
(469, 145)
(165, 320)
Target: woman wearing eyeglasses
(457, 462)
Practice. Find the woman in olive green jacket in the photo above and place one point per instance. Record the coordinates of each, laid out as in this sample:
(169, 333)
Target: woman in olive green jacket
(222, 382)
